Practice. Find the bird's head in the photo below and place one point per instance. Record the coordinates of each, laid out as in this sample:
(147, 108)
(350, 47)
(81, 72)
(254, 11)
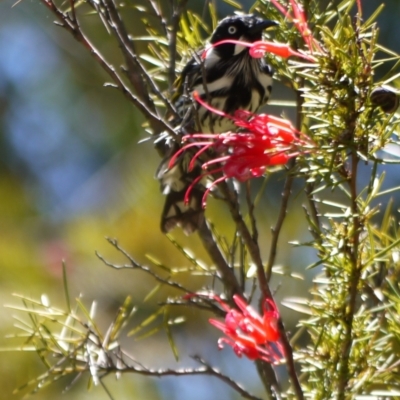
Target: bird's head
(246, 28)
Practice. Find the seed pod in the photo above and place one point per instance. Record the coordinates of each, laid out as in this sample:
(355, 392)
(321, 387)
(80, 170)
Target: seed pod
(385, 98)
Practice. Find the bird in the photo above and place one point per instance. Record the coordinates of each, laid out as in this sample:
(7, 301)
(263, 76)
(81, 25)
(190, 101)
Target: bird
(228, 79)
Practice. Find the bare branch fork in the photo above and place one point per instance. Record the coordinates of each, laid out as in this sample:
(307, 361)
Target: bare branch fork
(142, 101)
(206, 369)
(133, 264)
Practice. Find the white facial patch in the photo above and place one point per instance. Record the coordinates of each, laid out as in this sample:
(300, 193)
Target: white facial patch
(211, 58)
(238, 47)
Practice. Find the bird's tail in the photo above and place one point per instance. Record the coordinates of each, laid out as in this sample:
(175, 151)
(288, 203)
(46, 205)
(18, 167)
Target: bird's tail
(177, 213)
(175, 180)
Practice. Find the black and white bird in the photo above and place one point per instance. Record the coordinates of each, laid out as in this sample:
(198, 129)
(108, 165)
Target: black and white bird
(227, 78)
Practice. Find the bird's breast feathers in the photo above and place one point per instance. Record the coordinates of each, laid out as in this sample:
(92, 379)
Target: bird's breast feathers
(244, 84)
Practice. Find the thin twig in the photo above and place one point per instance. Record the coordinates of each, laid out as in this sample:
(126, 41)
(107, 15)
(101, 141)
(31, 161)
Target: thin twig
(290, 361)
(135, 70)
(192, 301)
(254, 251)
(106, 389)
(226, 273)
(204, 370)
(230, 382)
(252, 246)
(73, 13)
(144, 268)
(255, 254)
(242, 257)
(276, 230)
(197, 302)
(139, 369)
(176, 16)
(268, 376)
(285, 195)
(251, 208)
(315, 223)
(161, 18)
(157, 123)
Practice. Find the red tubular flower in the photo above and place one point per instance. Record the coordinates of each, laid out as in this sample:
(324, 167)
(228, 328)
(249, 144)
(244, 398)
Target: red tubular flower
(260, 47)
(267, 141)
(359, 8)
(300, 21)
(248, 333)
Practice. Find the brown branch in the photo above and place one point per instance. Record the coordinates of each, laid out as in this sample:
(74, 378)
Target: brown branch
(65, 21)
(197, 302)
(276, 230)
(73, 13)
(170, 34)
(190, 302)
(176, 16)
(254, 251)
(135, 265)
(161, 18)
(285, 195)
(313, 213)
(267, 375)
(115, 363)
(226, 273)
(350, 307)
(242, 254)
(290, 361)
(206, 369)
(230, 382)
(251, 245)
(251, 208)
(135, 70)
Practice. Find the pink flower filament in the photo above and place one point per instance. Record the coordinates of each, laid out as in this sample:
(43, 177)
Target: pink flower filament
(300, 21)
(260, 47)
(267, 141)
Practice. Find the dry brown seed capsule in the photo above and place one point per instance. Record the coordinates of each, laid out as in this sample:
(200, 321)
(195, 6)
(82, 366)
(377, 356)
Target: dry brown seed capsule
(385, 98)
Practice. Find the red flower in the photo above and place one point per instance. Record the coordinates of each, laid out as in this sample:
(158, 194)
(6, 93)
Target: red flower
(300, 21)
(359, 7)
(267, 141)
(248, 333)
(260, 47)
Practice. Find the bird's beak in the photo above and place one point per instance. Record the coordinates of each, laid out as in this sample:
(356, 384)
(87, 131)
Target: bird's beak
(261, 25)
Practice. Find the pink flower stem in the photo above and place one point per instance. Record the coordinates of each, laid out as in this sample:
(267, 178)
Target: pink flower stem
(359, 8)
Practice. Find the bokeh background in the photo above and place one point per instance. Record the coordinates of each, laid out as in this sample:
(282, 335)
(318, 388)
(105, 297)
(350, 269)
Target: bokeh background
(72, 173)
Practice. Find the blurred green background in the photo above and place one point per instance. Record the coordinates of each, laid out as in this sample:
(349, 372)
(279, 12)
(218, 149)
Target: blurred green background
(72, 173)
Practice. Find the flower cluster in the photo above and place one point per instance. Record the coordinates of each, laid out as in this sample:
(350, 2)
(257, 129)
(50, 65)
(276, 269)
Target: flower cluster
(265, 141)
(248, 333)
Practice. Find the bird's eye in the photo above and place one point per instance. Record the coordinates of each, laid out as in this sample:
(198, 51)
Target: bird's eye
(232, 30)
